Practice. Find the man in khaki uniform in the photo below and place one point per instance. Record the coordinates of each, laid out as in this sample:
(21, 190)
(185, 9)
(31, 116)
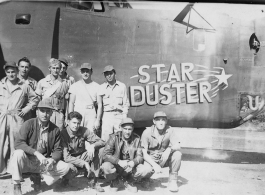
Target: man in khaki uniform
(53, 87)
(24, 67)
(63, 74)
(14, 94)
(115, 103)
(84, 97)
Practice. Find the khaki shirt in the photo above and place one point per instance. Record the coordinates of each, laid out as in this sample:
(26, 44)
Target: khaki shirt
(69, 80)
(114, 98)
(30, 81)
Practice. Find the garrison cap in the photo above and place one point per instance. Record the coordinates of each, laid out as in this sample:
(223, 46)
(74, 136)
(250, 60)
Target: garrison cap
(160, 114)
(86, 66)
(108, 68)
(10, 64)
(54, 62)
(127, 121)
(45, 103)
(64, 61)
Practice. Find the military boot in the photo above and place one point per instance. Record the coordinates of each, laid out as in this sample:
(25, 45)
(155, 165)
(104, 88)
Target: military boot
(115, 184)
(93, 182)
(173, 182)
(17, 189)
(36, 179)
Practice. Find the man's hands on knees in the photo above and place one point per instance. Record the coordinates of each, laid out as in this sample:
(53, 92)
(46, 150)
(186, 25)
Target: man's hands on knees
(165, 156)
(41, 158)
(50, 163)
(129, 167)
(91, 150)
(123, 163)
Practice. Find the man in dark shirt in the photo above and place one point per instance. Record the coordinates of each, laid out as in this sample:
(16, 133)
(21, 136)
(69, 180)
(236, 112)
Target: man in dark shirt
(75, 152)
(123, 157)
(161, 148)
(38, 150)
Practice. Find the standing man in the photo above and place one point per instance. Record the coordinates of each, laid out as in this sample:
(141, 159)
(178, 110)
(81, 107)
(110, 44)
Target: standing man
(38, 150)
(53, 87)
(84, 99)
(73, 141)
(16, 100)
(123, 157)
(115, 102)
(161, 149)
(24, 67)
(63, 74)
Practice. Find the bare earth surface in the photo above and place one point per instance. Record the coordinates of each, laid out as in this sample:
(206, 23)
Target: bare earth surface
(195, 178)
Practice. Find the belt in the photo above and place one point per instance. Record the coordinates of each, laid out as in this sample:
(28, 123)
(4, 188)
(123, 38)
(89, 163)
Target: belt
(115, 110)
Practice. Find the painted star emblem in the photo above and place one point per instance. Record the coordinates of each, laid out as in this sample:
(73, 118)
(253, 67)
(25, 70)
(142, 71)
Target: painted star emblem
(222, 78)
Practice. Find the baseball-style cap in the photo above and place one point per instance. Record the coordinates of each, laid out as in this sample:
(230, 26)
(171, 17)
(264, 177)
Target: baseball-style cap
(108, 68)
(86, 65)
(126, 121)
(54, 62)
(45, 103)
(10, 64)
(160, 114)
(64, 61)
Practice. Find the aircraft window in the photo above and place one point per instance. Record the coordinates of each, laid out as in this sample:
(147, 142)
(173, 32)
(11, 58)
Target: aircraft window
(86, 5)
(23, 19)
(199, 40)
(120, 4)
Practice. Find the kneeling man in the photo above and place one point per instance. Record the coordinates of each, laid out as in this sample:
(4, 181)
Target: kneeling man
(123, 157)
(75, 152)
(38, 150)
(161, 148)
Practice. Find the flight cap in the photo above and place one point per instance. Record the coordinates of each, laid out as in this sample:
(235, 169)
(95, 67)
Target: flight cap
(86, 66)
(108, 68)
(127, 121)
(64, 61)
(160, 114)
(45, 103)
(54, 62)
(10, 64)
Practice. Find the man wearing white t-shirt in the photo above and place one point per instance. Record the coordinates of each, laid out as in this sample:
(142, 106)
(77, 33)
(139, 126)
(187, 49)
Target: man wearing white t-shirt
(84, 98)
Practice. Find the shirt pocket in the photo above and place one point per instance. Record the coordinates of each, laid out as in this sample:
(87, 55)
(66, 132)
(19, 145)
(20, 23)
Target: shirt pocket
(153, 144)
(119, 98)
(106, 99)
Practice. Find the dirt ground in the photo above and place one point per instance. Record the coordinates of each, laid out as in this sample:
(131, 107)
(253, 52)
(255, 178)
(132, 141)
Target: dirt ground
(195, 178)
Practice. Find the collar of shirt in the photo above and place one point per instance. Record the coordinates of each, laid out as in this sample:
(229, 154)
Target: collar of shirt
(112, 86)
(48, 78)
(29, 79)
(71, 134)
(19, 83)
(154, 131)
(42, 128)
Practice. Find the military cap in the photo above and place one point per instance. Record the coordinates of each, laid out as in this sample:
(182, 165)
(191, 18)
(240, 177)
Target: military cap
(108, 68)
(127, 121)
(64, 61)
(160, 114)
(45, 103)
(10, 64)
(86, 66)
(54, 62)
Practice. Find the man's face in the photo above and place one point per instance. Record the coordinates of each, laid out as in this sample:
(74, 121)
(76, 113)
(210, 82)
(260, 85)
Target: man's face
(86, 73)
(11, 73)
(63, 69)
(55, 70)
(127, 130)
(23, 68)
(74, 124)
(44, 114)
(160, 123)
(110, 76)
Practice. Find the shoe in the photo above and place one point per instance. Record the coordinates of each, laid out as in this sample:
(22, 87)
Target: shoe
(93, 183)
(36, 179)
(114, 185)
(17, 189)
(58, 187)
(146, 183)
(173, 182)
(130, 186)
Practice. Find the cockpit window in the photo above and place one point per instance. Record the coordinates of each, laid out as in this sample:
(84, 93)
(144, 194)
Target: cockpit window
(87, 5)
(119, 4)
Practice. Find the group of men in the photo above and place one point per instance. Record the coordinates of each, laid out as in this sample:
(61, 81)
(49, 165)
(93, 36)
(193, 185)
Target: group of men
(64, 137)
